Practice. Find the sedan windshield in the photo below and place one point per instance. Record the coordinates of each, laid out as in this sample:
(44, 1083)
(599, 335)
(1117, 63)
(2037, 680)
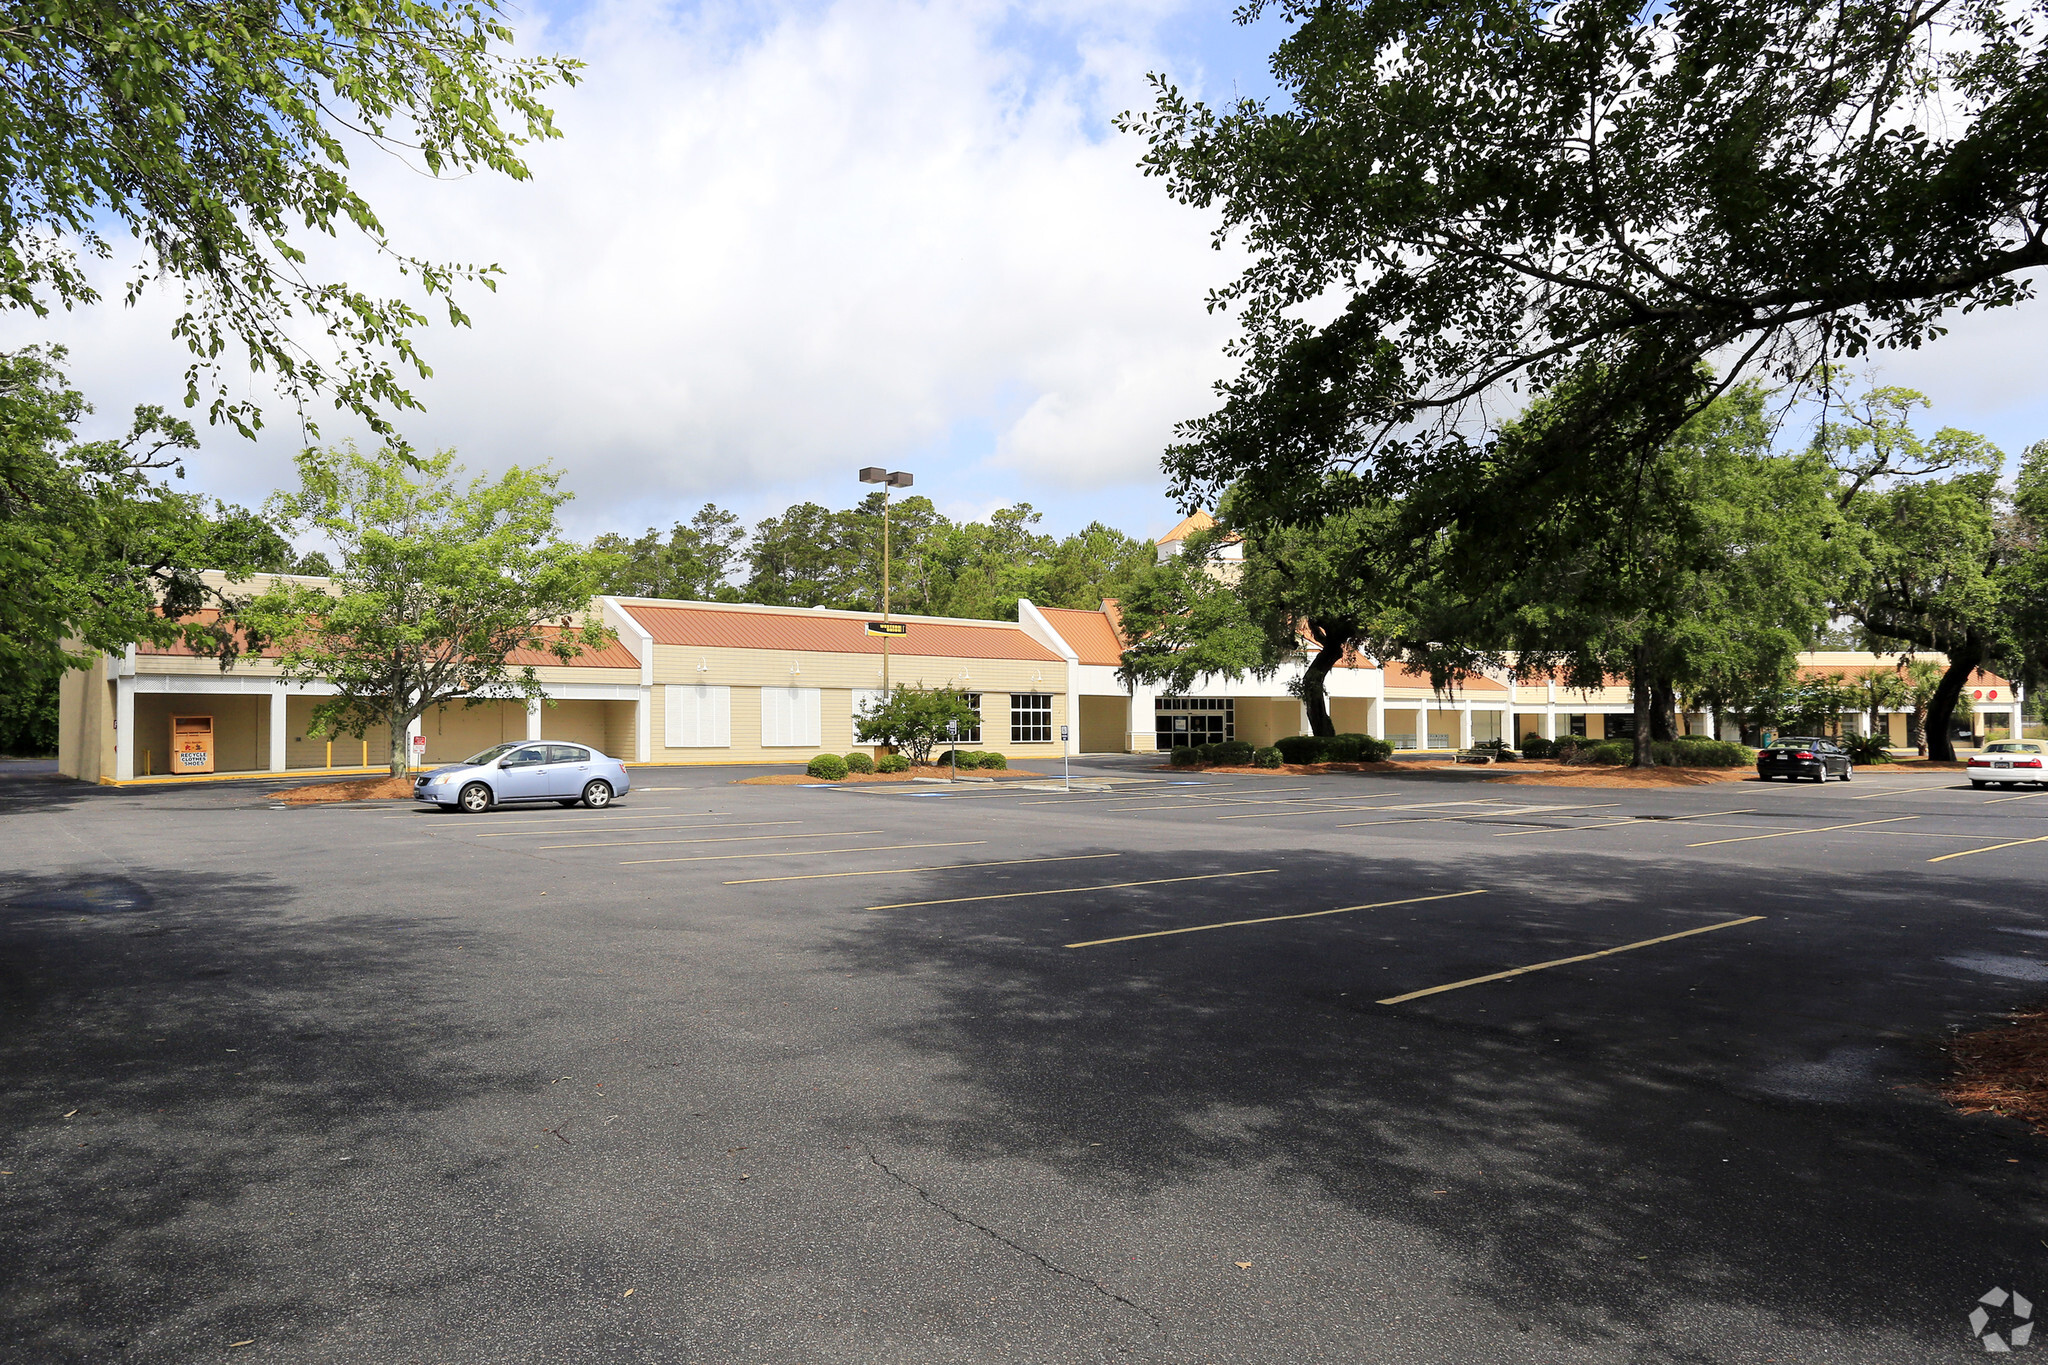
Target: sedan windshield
(2013, 747)
(478, 760)
(1793, 743)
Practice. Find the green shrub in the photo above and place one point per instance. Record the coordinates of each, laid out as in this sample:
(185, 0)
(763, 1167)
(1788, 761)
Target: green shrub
(859, 763)
(1300, 748)
(1699, 751)
(1184, 757)
(829, 767)
(1267, 758)
(1375, 750)
(892, 763)
(1535, 746)
(1867, 748)
(989, 760)
(1609, 751)
(1234, 752)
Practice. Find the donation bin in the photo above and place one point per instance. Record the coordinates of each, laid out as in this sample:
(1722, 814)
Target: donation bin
(191, 744)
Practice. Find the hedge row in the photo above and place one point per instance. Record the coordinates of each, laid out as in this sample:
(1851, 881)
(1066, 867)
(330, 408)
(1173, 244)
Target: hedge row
(971, 758)
(1334, 749)
(1688, 751)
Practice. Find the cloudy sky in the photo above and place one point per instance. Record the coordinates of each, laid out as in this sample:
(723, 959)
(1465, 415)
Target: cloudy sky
(782, 241)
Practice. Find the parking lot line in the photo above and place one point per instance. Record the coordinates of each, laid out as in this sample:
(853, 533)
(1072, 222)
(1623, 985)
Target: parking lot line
(1339, 810)
(726, 839)
(1566, 961)
(631, 812)
(2030, 796)
(642, 829)
(1075, 890)
(1906, 791)
(1988, 848)
(1821, 829)
(1631, 820)
(1274, 919)
(1490, 813)
(948, 867)
(1140, 796)
(794, 853)
(1211, 803)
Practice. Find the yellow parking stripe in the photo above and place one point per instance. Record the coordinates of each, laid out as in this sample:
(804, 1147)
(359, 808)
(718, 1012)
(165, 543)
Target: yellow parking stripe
(795, 853)
(1210, 803)
(1988, 848)
(1490, 813)
(1075, 890)
(1821, 829)
(948, 867)
(644, 829)
(2030, 796)
(1274, 919)
(731, 839)
(1566, 961)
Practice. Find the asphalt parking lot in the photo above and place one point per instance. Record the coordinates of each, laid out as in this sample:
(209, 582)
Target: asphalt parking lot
(1388, 1069)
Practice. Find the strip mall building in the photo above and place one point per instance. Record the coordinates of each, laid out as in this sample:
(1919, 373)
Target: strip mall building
(695, 682)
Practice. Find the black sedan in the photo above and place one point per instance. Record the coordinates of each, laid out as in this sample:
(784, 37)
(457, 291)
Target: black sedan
(1795, 756)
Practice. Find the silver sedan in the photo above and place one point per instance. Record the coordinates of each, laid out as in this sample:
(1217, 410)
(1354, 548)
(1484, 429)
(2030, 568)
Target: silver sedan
(567, 774)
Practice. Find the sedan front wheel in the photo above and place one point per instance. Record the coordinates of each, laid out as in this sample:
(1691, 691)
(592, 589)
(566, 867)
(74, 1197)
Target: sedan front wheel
(475, 799)
(597, 795)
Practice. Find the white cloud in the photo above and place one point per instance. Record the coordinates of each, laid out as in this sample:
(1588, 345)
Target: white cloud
(763, 256)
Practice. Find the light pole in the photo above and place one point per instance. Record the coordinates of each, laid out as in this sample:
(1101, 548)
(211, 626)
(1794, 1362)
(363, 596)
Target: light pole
(876, 474)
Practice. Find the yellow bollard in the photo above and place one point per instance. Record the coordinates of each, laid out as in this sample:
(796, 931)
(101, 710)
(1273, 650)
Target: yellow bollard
(366, 753)
(145, 764)
(330, 755)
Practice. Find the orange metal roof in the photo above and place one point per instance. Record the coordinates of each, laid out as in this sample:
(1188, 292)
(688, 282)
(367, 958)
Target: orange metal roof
(614, 655)
(819, 633)
(1200, 521)
(1091, 633)
(1400, 675)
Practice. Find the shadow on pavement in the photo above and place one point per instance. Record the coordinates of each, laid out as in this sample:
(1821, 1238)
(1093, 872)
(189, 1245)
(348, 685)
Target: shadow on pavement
(1722, 1132)
(188, 1072)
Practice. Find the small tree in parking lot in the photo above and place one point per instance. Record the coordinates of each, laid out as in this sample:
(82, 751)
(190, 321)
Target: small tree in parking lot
(440, 584)
(913, 719)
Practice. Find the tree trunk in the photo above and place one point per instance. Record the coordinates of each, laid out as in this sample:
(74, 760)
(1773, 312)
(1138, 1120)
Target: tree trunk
(1640, 689)
(1916, 730)
(1942, 709)
(397, 720)
(1664, 713)
(1313, 695)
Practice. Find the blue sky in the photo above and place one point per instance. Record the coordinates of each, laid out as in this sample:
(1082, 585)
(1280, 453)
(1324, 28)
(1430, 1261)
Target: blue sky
(780, 242)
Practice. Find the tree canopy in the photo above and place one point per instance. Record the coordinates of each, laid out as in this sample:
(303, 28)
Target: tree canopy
(1486, 198)
(814, 556)
(220, 137)
(439, 584)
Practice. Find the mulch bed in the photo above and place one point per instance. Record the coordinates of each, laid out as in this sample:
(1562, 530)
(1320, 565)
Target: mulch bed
(2003, 1070)
(806, 780)
(360, 789)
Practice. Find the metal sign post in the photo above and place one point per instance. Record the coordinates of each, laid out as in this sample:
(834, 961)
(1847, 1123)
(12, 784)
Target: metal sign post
(953, 749)
(1065, 771)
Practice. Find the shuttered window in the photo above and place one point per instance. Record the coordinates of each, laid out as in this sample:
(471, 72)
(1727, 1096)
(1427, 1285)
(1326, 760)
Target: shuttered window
(790, 717)
(698, 717)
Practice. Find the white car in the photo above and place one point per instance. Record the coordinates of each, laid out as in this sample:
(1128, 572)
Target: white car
(2011, 760)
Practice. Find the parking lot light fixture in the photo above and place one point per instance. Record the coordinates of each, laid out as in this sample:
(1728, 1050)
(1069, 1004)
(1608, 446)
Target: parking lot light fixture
(888, 480)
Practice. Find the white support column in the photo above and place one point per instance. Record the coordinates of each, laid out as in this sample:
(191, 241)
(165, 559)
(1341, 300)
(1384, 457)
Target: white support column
(643, 728)
(532, 721)
(412, 731)
(1465, 726)
(280, 729)
(124, 731)
(1377, 724)
(1549, 721)
(1421, 725)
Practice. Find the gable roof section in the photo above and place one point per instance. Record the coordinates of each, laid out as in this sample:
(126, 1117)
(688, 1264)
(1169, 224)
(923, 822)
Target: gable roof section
(1200, 521)
(817, 632)
(1092, 634)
